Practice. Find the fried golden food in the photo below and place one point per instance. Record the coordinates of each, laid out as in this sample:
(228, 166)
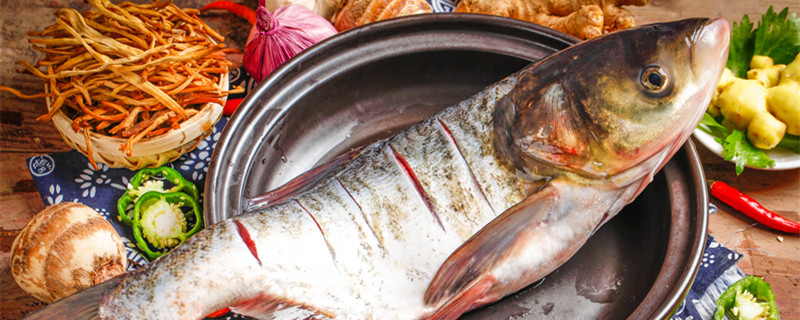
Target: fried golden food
(128, 71)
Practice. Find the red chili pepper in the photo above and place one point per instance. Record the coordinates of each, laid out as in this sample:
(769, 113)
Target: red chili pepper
(231, 105)
(219, 313)
(238, 9)
(752, 208)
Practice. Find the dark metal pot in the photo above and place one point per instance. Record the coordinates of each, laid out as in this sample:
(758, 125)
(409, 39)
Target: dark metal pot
(370, 82)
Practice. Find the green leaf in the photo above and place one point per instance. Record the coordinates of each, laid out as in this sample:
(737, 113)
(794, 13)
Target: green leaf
(736, 147)
(778, 36)
(741, 50)
(790, 142)
(714, 128)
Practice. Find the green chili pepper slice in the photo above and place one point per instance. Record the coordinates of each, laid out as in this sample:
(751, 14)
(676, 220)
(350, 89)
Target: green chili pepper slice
(160, 221)
(747, 299)
(138, 184)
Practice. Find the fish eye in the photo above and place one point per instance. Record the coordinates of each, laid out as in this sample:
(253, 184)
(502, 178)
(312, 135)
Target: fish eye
(654, 78)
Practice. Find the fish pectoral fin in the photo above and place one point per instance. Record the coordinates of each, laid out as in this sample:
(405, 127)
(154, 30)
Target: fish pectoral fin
(264, 306)
(465, 301)
(470, 267)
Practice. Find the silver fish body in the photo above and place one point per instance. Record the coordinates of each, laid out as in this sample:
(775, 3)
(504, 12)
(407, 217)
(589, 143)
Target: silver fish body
(458, 210)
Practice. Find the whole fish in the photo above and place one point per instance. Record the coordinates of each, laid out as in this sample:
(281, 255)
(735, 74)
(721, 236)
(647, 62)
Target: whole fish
(455, 212)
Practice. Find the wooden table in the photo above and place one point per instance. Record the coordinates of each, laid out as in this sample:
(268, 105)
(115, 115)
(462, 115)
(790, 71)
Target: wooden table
(22, 137)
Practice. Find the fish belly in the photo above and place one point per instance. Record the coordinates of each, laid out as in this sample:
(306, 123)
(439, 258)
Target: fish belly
(363, 244)
(385, 224)
(202, 273)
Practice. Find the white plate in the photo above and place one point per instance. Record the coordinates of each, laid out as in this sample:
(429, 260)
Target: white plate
(784, 158)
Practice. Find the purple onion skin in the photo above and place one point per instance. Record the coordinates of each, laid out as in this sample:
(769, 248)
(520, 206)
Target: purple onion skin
(277, 37)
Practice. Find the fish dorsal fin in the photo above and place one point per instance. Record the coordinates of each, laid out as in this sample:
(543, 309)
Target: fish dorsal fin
(467, 275)
(82, 305)
(301, 183)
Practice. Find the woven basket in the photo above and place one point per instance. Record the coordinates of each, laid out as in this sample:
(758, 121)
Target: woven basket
(152, 152)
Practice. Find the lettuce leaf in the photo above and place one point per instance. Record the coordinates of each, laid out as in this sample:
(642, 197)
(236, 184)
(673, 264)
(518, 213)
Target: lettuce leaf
(742, 46)
(790, 142)
(777, 36)
(735, 146)
(715, 129)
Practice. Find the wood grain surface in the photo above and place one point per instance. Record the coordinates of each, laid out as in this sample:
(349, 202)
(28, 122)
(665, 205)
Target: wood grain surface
(763, 254)
(21, 136)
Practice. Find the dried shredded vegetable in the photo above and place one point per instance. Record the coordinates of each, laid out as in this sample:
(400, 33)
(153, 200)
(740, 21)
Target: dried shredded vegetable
(128, 71)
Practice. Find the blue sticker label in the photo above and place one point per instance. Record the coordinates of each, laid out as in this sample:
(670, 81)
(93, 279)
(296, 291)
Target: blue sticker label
(41, 165)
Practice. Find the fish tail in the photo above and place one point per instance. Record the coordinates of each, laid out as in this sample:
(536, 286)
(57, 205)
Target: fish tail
(82, 305)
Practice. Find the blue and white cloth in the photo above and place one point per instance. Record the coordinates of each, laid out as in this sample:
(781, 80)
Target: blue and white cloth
(69, 177)
(443, 5)
(718, 270)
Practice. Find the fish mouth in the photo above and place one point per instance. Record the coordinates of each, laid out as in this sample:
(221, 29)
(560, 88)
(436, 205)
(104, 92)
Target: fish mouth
(709, 45)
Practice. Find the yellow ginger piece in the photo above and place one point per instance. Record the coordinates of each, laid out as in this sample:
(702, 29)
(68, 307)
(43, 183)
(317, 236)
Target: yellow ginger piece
(783, 102)
(725, 80)
(766, 105)
(741, 101)
(765, 71)
(761, 62)
(768, 76)
(764, 131)
(792, 71)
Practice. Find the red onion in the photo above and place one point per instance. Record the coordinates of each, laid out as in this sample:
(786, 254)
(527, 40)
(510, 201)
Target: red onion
(277, 37)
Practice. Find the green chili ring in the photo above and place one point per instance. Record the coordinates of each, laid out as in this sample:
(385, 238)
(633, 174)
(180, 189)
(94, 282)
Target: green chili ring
(180, 184)
(762, 295)
(122, 206)
(150, 198)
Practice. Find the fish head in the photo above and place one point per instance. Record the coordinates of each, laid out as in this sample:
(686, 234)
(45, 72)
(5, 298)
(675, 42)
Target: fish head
(619, 105)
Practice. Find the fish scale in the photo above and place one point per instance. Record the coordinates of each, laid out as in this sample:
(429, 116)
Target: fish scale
(457, 211)
(403, 224)
(375, 218)
(470, 124)
(351, 240)
(444, 177)
(395, 210)
(298, 262)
